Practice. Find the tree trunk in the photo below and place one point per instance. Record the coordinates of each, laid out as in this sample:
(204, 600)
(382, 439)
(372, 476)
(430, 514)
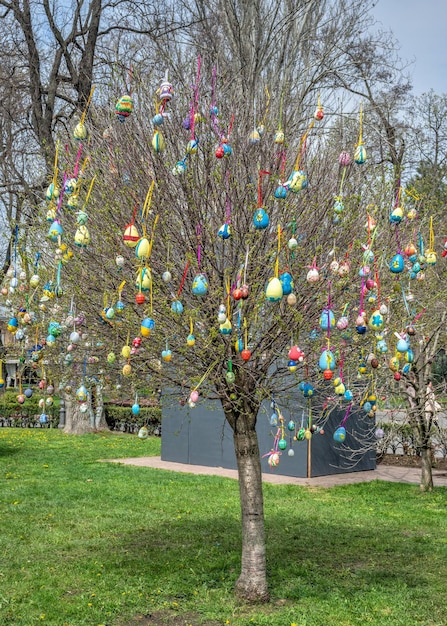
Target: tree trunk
(426, 470)
(100, 418)
(76, 422)
(252, 582)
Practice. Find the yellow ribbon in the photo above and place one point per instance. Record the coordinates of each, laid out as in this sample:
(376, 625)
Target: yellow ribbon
(89, 191)
(277, 254)
(84, 113)
(360, 125)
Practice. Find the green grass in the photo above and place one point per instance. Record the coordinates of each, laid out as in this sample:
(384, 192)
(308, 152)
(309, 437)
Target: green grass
(88, 543)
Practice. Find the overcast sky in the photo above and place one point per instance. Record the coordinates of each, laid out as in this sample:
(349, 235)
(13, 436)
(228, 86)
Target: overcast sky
(420, 27)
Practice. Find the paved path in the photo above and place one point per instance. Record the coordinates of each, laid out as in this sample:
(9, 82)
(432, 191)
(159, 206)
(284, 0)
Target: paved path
(389, 473)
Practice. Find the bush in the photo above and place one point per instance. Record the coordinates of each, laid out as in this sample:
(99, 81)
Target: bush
(27, 414)
(121, 418)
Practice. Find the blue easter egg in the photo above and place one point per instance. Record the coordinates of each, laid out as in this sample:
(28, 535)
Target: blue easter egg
(55, 231)
(340, 434)
(260, 219)
(402, 345)
(361, 330)
(360, 155)
(158, 119)
(326, 360)
(280, 192)
(28, 392)
(313, 334)
(287, 283)
(228, 150)
(308, 390)
(327, 319)
(177, 307)
(406, 368)
(273, 419)
(382, 346)
(291, 425)
(409, 356)
(348, 395)
(135, 409)
(200, 285)
(367, 406)
(224, 231)
(43, 419)
(397, 264)
(301, 385)
(339, 206)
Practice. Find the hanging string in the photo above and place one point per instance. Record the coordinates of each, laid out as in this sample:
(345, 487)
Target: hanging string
(55, 170)
(151, 242)
(89, 192)
(281, 104)
(246, 265)
(195, 100)
(431, 240)
(302, 146)
(278, 252)
(228, 290)
(148, 201)
(199, 244)
(360, 142)
(182, 282)
(267, 106)
(84, 113)
(78, 159)
(261, 174)
(206, 374)
(345, 419)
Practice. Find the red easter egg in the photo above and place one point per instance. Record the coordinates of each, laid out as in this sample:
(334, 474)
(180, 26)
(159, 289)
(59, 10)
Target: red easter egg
(140, 298)
(327, 374)
(237, 293)
(397, 376)
(220, 152)
(245, 354)
(244, 292)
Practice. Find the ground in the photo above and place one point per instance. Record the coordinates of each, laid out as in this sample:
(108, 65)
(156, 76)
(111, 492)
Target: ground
(410, 460)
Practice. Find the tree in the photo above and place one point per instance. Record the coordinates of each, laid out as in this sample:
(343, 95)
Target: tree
(229, 213)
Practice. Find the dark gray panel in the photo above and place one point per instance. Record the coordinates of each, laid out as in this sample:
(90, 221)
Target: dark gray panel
(201, 436)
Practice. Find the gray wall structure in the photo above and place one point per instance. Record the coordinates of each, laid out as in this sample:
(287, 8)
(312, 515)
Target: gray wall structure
(202, 436)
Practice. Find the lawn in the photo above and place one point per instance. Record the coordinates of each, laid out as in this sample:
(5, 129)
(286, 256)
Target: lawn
(88, 543)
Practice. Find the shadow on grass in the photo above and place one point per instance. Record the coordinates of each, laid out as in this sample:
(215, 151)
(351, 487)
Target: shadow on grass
(304, 557)
(6, 450)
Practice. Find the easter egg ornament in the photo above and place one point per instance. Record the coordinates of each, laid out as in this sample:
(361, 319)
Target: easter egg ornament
(260, 218)
(274, 290)
(360, 152)
(124, 107)
(340, 434)
(200, 285)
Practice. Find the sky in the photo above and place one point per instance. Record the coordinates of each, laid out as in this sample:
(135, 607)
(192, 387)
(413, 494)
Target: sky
(420, 26)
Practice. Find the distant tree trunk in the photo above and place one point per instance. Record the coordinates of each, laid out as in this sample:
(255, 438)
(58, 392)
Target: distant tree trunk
(252, 582)
(97, 415)
(76, 422)
(426, 469)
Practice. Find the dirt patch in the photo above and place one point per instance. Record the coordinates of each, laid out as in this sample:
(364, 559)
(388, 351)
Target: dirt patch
(167, 618)
(409, 460)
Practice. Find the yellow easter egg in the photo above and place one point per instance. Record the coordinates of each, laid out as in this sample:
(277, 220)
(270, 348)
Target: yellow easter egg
(274, 290)
(125, 352)
(142, 248)
(127, 370)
